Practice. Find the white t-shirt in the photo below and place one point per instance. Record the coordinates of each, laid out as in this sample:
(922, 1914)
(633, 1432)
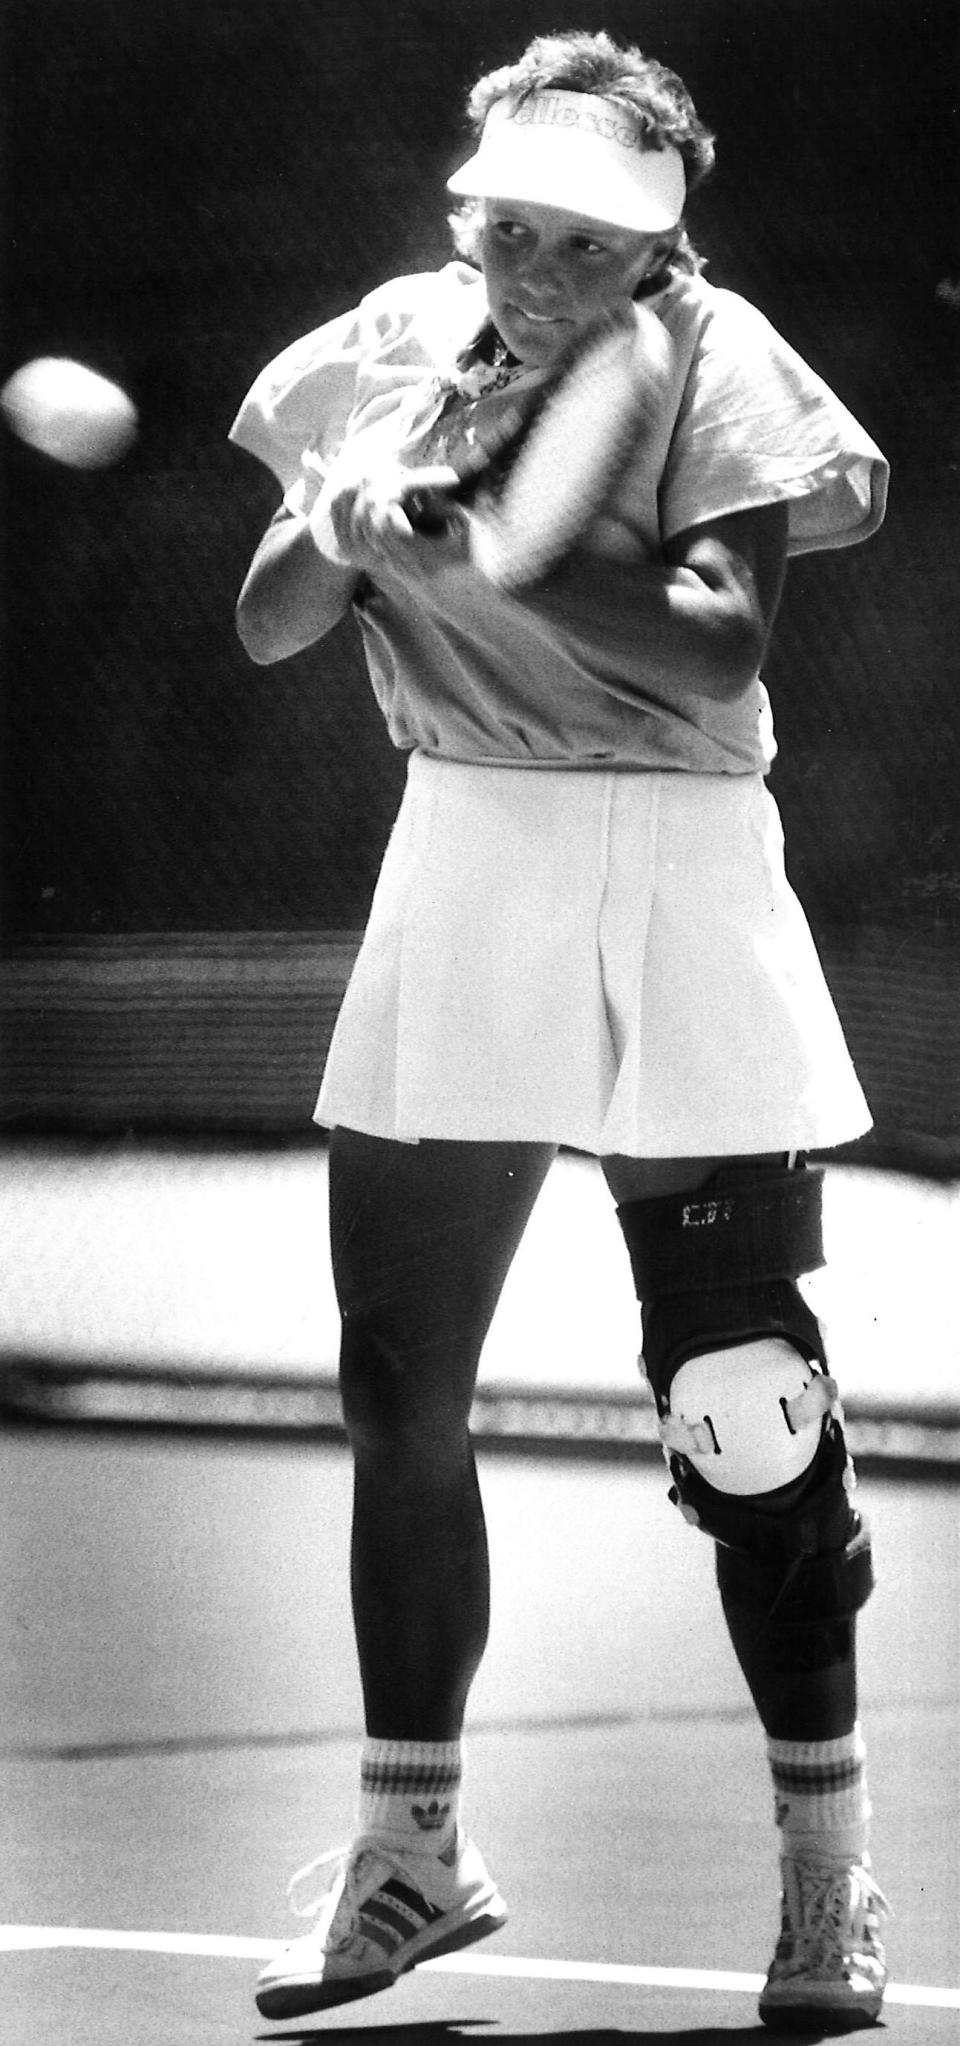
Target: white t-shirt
(555, 676)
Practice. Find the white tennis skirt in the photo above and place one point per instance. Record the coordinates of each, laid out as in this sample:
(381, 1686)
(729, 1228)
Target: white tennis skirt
(610, 962)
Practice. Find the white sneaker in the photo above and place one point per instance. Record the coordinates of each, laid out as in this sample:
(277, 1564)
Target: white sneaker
(829, 1967)
(384, 1912)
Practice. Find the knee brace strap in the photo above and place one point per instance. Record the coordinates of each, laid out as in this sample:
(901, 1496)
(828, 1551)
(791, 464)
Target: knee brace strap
(718, 1267)
(762, 1220)
(804, 1547)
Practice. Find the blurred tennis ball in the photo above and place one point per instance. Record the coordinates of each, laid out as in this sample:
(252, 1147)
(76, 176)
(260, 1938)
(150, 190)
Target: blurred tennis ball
(69, 412)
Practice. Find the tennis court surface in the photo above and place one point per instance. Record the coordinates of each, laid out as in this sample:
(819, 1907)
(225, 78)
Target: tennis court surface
(179, 1702)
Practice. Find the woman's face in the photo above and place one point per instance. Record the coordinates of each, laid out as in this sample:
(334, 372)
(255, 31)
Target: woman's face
(550, 273)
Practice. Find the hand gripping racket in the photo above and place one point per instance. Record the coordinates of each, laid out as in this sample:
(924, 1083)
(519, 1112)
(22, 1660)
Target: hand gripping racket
(558, 453)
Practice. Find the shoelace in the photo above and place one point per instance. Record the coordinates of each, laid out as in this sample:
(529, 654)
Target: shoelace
(349, 1859)
(828, 1918)
(303, 1875)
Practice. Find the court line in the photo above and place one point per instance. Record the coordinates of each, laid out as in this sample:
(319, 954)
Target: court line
(224, 1947)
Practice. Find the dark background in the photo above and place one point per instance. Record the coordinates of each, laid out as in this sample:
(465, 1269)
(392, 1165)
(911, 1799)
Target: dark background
(191, 184)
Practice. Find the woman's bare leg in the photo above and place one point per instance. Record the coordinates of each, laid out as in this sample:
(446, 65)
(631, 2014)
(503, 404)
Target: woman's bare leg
(423, 1236)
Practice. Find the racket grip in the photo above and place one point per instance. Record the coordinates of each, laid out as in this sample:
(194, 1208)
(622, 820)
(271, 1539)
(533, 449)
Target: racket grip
(425, 507)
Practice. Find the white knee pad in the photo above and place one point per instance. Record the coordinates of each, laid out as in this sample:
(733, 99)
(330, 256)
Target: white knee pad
(749, 1418)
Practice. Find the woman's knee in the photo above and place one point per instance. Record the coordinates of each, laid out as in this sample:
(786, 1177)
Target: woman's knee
(403, 1385)
(422, 1236)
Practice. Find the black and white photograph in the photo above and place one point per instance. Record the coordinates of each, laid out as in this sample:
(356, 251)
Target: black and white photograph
(479, 1021)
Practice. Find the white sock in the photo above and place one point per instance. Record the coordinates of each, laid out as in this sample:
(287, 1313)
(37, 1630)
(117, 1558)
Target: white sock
(410, 1793)
(821, 1798)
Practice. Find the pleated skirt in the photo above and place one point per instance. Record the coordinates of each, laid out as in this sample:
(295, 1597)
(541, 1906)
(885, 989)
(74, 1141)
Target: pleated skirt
(613, 962)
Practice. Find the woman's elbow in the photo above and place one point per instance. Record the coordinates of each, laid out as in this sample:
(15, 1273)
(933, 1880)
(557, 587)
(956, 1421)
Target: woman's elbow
(738, 665)
(257, 633)
(737, 646)
(290, 600)
(269, 627)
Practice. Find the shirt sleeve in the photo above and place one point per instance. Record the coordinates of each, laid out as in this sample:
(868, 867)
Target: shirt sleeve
(301, 401)
(295, 416)
(756, 425)
(351, 373)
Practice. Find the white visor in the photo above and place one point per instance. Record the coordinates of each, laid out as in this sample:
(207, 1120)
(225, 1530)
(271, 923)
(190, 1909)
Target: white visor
(577, 152)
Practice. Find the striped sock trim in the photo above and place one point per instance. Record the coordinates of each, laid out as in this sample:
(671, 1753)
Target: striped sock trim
(822, 1779)
(410, 1790)
(411, 1768)
(820, 1792)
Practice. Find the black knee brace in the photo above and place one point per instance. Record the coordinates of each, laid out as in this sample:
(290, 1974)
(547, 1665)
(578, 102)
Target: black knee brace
(719, 1266)
(716, 1269)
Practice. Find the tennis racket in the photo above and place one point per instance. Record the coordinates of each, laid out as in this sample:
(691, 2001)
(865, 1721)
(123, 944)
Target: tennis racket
(558, 452)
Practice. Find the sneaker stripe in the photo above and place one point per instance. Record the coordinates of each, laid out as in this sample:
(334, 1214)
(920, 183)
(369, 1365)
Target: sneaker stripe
(395, 1914)
(386, 1937)
(377, 1910)
(411, 1899)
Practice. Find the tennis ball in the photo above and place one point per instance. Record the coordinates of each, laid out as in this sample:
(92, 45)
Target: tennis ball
(69, 412)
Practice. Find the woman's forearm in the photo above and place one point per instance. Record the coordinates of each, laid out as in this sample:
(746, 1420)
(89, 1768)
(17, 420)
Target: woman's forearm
(697, 624)
(292, 594)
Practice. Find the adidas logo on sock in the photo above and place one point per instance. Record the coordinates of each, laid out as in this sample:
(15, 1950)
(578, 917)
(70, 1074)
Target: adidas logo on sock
(432, 1817)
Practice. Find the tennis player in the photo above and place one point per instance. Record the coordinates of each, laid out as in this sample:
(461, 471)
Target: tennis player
(582, 935)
